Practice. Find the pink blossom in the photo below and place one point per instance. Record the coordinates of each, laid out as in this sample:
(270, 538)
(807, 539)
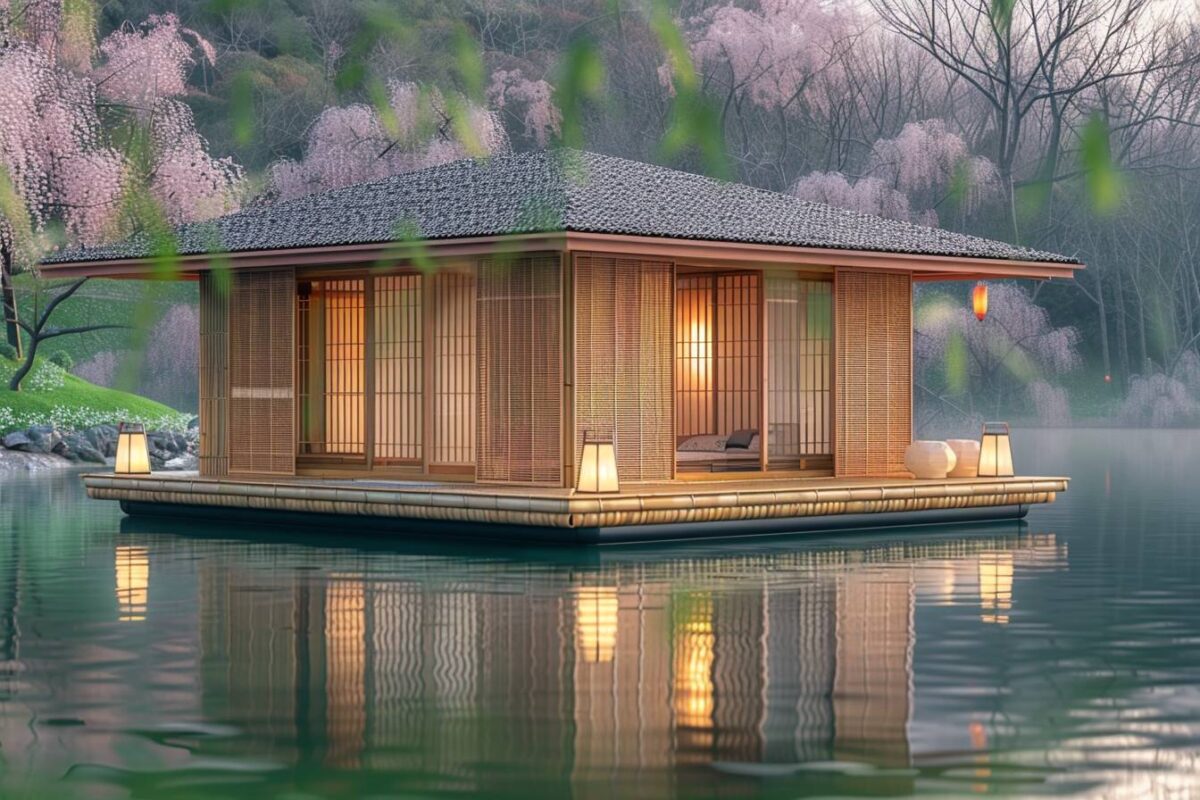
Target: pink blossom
(356, 143)
(151, 61)
(542, 118)
(867, 195)
(925, 157)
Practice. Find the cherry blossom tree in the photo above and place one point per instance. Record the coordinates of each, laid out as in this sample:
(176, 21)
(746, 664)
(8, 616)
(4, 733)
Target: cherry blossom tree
(62, 177)
(416, 128)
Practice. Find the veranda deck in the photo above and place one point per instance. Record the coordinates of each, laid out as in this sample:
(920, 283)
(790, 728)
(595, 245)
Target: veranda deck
(682, 509)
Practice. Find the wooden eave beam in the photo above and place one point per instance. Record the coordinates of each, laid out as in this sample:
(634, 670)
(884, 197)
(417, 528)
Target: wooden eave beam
(696, 251)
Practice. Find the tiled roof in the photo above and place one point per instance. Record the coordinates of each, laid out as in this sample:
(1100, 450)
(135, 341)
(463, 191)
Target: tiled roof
(551, 191)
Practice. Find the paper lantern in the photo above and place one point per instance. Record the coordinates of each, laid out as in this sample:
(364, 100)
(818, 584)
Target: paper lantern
(995, 451)
(598, 467)
(133, 453)
(979, 300)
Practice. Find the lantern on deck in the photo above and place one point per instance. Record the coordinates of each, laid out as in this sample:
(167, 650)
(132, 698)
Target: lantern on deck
(995, 451)
(598, 467)
(133, 454)
(979, 300)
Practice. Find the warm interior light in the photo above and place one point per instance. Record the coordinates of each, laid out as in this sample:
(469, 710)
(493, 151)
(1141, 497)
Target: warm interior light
(979, 300)
(133, 454)
(995, 451)
(598, 468)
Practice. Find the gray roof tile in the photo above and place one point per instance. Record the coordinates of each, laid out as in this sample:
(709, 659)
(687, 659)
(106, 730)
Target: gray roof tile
(551, 191)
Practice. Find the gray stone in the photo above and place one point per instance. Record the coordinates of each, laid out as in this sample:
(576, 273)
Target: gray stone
(76, 447)
(186, 462)
(17, 440)
(42, 438)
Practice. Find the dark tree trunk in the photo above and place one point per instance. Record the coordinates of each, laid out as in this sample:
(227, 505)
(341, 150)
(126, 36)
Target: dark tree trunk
(9, 298)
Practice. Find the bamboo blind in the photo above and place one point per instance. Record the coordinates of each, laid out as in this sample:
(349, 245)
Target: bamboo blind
(262, 416)
(623, 345)
(519, 320)
(454, 399)
(398, 368)
(873, 341)
(214, 374)
(799, 368)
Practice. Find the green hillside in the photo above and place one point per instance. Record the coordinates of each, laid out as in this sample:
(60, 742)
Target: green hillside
(50, 396)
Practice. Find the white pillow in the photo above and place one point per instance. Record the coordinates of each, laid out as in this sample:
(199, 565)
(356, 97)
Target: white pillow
(707, 443)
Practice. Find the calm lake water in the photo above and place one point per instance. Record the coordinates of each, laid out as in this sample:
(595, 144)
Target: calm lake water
(1061, 655)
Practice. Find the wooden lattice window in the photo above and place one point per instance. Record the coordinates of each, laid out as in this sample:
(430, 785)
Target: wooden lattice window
(718, 369)
(623, 345)
(262, 433)
(520, 370)
(399, 367)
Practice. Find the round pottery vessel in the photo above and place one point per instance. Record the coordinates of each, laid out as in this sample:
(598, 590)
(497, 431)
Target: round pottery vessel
(929, 460)
(966, 453)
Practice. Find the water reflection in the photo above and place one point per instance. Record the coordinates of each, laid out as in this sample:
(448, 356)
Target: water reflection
(618, 666)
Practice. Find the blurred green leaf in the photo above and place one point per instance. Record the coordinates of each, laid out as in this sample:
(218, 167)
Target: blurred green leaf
(468, 62)
(956, 364)
(241, 108)
(581, 79)
(695, 120)
(1002, 14)
(1103, 178)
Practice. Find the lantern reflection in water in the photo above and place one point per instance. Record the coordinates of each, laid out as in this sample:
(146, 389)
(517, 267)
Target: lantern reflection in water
(995, 586)
(133, 583)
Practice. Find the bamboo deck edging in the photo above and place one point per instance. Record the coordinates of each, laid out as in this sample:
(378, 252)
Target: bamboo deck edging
(651, 507)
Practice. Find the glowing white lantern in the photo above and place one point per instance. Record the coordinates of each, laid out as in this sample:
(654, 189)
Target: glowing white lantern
(995, 451)
(133, 454)
(598, 467)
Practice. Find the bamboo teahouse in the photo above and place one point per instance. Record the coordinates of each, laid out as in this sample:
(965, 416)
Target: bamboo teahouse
(568, 346)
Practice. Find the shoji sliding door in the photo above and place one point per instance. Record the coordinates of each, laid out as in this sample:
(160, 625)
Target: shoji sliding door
(399, 369)
(799, 372)
(332, 356)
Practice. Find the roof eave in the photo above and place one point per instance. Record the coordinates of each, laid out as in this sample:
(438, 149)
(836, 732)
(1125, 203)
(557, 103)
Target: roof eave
(922, 267)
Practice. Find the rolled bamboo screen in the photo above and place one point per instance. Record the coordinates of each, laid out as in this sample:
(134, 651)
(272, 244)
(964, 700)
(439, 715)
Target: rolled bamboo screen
(214, 374)
(519, 324)
(262, 415)
(454, 401)
(873, 342)
(623, 350)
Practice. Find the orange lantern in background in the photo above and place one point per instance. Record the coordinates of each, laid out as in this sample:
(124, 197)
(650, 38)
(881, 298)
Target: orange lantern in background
(979, 300)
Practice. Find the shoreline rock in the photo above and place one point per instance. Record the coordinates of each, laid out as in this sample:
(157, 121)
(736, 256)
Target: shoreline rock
(41, 447)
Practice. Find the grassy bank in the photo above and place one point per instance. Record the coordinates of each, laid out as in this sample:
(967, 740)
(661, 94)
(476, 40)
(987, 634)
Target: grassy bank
(50, 396)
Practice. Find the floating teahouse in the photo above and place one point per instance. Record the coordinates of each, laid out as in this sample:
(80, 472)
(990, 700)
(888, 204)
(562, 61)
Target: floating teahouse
(565, 345)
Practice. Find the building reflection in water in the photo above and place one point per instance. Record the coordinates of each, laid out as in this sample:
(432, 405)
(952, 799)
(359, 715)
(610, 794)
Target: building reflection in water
(630, 666)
